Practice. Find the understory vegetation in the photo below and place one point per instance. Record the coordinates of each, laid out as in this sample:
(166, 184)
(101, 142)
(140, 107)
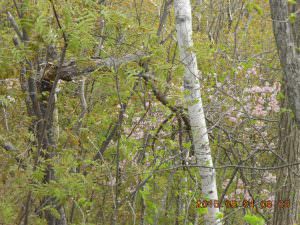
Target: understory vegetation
(95, 128)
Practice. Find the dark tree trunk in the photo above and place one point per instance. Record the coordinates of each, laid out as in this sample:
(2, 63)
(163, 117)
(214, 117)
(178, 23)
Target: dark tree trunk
(287, 198)
(49, 143)
(286, 34)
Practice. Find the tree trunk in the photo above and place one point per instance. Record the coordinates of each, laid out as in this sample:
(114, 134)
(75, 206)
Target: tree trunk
(287, 199)
(289, 58)
(199, 10)
(288, 184)
(296, 25)
(49, 144)
(195, 108)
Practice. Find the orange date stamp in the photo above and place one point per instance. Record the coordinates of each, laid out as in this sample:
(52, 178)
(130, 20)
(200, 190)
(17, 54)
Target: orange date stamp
(245, 203)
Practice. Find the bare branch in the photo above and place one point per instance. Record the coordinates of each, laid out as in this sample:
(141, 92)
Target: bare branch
(69, 70)
(15, 25)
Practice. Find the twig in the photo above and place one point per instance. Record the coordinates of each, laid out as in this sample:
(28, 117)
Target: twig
(15, 25)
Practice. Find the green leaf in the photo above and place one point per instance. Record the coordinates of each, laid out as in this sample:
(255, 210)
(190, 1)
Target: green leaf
(253, 6)
(202, 211)
(292, 2)
(292, 18)
(280, 96)
(254, 220)
(55, 213)
(219, 215)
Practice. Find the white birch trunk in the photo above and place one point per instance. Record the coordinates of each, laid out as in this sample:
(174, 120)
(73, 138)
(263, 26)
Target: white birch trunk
(195, 109)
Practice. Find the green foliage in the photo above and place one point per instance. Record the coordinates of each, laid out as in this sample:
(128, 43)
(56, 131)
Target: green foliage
(280, 96)
(202, 211)
(7, 213)
(148, 147)
(292, 2)
(254, 220)
(292, 17)
(254, 6)
(220, 215)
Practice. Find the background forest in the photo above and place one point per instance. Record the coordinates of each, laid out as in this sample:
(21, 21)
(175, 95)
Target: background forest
(94, 126)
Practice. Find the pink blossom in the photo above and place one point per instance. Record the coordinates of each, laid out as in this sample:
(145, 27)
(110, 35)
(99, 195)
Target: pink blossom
(259, 111)
(233, 119)
(260, 100)
(254, 89)
(267, 89)
(274, 104)
(253, 71)
(248, 107)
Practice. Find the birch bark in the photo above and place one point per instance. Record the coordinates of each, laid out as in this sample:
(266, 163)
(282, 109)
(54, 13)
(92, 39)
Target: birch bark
(195, 109)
